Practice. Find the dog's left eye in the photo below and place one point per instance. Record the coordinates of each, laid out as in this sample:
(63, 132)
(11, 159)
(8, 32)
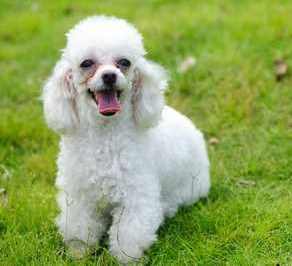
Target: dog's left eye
(87, 63)
(124, 62)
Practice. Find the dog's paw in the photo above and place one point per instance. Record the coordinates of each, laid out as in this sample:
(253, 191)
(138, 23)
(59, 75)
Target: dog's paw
(125, 258)
(126, 253)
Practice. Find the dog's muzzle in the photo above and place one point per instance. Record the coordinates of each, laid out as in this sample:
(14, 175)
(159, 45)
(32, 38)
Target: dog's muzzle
(107, 94)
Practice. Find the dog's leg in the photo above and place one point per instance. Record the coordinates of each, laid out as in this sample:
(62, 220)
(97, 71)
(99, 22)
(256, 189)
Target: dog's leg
(79, 223)
(135, 223)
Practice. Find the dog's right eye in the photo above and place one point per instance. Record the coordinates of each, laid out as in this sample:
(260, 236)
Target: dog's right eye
(87, 63)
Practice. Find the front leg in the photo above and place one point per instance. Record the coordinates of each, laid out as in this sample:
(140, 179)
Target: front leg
(80, 223)
(135, 222)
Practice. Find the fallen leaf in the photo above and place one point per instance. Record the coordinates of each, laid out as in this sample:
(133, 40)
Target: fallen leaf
(246, 183)
(187, 64)
(213, 141)
(281, 69)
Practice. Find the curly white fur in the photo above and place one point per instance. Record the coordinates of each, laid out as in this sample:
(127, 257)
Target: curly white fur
(137, 166)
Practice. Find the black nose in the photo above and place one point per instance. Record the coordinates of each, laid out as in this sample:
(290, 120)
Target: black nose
(109, 78)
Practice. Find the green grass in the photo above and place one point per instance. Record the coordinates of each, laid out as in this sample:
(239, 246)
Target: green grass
(231, 94)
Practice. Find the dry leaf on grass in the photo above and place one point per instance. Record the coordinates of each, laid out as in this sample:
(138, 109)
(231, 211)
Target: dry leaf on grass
(213, 141)
(187, 64)
(281, 69)
(245, 183)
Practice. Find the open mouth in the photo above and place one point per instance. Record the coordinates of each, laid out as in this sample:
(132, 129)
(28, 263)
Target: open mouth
(107, 101)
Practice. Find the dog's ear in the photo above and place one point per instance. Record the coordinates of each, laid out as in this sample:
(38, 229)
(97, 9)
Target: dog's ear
(59, 97)
(149, 85)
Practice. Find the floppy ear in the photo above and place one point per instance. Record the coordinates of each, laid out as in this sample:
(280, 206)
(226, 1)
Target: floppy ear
(149, 85)
(59, 98)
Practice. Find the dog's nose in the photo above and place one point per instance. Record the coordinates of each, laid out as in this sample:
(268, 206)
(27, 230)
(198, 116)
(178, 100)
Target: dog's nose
(109, 78)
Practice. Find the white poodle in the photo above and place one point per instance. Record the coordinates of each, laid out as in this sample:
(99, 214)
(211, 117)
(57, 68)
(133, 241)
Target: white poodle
(126, 160)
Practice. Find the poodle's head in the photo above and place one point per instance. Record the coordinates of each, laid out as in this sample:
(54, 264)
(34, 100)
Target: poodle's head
(103, 64)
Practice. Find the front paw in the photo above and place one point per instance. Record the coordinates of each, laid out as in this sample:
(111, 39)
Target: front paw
(126, 255)
(124, 247)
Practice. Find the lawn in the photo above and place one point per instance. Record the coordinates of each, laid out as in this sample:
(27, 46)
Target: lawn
(231, 94)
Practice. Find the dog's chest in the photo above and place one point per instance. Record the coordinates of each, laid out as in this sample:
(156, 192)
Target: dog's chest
(108, 170)
(101, 164)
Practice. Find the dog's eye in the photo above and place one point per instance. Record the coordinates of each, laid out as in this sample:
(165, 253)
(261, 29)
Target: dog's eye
(123, 63)
(87, 63)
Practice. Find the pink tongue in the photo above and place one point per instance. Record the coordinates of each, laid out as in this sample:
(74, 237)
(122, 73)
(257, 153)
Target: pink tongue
(108, 102)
